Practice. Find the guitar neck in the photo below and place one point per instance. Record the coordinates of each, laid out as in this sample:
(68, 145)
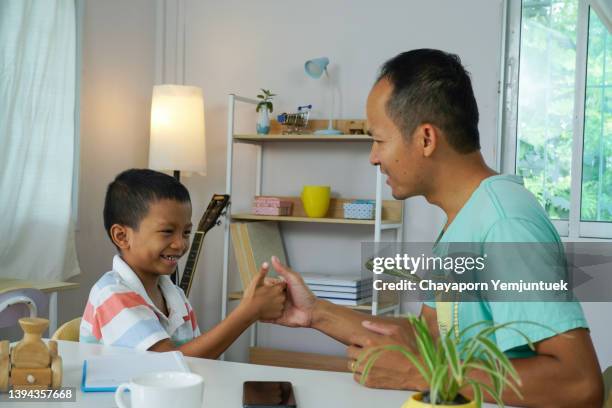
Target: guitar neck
(192, 261)
(209, 220)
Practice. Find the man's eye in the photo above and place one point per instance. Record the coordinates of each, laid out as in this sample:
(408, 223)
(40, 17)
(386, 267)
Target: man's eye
(166, 231)
(187, 233)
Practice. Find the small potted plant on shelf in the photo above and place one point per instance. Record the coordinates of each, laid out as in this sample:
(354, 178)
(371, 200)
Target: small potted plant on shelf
(446, 367)
(264, 108)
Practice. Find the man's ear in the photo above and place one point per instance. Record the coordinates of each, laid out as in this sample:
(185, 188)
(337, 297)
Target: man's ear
(428, 138)
(120, 236)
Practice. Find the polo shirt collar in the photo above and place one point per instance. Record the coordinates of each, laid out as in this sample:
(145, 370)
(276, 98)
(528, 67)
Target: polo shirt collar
(176, 307)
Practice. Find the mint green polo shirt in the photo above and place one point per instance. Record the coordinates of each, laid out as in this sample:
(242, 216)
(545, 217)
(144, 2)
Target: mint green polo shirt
(501, 209)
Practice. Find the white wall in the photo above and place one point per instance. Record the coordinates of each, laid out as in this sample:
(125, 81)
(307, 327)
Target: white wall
(239, 46)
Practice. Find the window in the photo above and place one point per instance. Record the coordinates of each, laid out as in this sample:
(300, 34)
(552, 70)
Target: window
(558, 112)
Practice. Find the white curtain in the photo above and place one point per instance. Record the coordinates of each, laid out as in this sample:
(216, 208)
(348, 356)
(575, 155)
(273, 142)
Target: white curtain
(603, 8)
(37, 138)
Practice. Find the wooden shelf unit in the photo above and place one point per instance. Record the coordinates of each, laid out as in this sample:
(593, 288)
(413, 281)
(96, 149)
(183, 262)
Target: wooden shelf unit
(388, 213)
(391, 213)
(301, 138)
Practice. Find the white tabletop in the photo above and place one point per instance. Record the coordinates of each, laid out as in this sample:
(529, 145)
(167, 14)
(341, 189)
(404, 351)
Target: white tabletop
(223, 383)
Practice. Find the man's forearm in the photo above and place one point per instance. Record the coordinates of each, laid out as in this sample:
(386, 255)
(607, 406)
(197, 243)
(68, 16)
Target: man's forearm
(545, 382)
(343, 323)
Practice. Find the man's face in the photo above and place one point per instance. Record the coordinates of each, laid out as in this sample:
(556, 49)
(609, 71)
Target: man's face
(161, 238)
(400, 159)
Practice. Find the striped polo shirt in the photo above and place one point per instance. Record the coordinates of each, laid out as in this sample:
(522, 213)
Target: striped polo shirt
(120, 313)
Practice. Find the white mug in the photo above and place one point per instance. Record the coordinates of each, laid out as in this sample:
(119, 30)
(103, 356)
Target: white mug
(162, 390)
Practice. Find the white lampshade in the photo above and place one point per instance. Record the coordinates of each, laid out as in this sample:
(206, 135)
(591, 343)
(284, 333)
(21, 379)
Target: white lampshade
(178, 139)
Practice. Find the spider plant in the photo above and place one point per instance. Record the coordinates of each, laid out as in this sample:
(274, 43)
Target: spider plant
(445, 362)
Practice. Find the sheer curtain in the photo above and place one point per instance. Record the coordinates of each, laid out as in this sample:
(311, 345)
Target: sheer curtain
(37, 138)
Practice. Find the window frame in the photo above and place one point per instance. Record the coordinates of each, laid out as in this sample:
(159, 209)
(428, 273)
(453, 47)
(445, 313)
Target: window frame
(574, 228)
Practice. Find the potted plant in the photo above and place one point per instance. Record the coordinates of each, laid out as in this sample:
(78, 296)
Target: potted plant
(264, 108)
(445, 367)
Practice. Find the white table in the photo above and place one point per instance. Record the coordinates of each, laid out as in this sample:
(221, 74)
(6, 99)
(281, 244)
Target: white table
(223, 383)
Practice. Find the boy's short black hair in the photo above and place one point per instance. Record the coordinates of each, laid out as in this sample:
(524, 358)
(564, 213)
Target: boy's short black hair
(128, 197)
(432, 86)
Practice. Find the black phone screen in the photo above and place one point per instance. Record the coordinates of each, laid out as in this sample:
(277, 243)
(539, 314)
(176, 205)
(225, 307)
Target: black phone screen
(268, 394)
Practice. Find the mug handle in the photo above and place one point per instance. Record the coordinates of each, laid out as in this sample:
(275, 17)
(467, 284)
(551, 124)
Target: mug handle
(119, 395)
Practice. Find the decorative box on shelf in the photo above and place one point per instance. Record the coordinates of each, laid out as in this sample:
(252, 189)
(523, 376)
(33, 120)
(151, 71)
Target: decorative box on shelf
(359, 209)
(267, 205)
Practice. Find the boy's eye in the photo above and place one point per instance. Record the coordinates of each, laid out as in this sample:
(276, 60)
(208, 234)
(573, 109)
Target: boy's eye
(166, 231)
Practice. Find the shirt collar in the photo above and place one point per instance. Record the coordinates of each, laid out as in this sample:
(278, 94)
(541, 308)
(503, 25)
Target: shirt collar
(174, 303)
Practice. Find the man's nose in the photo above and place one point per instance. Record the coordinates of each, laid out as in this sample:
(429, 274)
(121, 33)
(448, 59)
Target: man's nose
(374, 157)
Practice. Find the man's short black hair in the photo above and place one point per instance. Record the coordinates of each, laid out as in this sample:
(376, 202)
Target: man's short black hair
(129, 196)
(431, 86)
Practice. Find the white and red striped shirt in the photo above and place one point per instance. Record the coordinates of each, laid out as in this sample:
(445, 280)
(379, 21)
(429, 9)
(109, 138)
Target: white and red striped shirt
(120, 313)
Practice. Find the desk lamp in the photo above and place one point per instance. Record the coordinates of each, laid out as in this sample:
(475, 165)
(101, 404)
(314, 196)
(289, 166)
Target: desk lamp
(315, 69)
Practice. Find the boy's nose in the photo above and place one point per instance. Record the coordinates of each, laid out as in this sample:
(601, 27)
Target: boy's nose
(180, 243)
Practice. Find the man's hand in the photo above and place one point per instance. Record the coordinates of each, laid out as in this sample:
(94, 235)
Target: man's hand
(392, 369)
(300, 301)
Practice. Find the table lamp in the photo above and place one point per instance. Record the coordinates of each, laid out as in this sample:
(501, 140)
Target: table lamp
(315, 69)
(177, 141)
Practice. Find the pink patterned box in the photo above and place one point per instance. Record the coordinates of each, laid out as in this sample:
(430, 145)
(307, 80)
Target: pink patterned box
(271, 210)
(265, 201)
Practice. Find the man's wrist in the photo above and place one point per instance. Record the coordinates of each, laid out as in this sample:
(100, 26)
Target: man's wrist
(320, 314)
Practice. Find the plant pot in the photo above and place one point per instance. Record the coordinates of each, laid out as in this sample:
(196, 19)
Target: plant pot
(263, 121)
(416, 401)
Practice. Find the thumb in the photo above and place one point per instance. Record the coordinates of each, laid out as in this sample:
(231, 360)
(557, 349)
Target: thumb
(380, 328)
(261, 275)
(281, 269)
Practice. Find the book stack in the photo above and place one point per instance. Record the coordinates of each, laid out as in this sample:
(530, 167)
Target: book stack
(254, 243)
(346, 290)
(266, 205)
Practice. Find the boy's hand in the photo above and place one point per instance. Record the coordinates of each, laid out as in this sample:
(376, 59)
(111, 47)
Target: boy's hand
(265, 297)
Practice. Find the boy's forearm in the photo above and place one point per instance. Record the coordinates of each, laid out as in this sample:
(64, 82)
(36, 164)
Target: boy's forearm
(214, 342)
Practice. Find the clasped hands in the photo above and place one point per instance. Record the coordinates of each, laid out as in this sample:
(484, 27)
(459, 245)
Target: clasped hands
(392, 370)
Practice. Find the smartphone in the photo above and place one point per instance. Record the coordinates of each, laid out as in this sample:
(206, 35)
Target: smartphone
(268, 394)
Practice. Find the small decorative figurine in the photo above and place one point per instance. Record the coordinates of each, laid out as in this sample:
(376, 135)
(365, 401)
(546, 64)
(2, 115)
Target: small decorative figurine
(30, 364)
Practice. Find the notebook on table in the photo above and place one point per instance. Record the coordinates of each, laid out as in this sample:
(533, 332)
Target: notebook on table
(105, 373)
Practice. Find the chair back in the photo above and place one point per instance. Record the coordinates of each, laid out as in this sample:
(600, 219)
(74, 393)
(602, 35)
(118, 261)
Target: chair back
(607, 376)
(18, 303)
(68, 331)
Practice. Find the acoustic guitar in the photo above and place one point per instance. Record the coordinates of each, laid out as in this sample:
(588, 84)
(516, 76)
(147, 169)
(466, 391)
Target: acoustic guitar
(215, 209)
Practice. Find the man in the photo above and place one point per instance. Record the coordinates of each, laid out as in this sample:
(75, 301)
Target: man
(423, 119)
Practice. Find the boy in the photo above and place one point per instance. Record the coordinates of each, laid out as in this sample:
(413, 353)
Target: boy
(147, 216)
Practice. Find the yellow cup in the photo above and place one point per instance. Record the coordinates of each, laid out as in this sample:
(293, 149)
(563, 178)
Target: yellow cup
(316, 200)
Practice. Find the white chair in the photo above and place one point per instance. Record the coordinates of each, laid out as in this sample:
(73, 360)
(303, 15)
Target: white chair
(18, 303)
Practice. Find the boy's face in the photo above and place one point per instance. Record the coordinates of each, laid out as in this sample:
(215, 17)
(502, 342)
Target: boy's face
(160, 240)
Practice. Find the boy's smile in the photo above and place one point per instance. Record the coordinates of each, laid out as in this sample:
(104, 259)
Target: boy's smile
(162, 237)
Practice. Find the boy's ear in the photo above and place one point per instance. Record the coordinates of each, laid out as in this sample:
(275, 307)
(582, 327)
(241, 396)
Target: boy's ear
(119, 235)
